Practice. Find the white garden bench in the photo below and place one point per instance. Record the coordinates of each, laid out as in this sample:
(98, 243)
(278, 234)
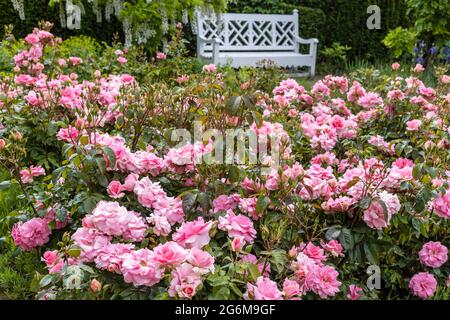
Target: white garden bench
(246, 39)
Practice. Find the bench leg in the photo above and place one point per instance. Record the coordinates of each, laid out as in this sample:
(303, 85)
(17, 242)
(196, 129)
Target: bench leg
(313, 53)
(312, 70)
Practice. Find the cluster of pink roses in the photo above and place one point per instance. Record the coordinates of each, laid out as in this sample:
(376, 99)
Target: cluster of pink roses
(434, 255)
(309, 274)
(182, 258)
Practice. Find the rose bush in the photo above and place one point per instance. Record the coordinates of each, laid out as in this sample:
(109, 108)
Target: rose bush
(122, 210)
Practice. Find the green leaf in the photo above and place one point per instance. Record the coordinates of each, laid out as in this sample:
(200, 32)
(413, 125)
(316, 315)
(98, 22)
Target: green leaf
(262, 203)
(46, 280)
(416, 172)
(234, 174)
(89, 204)
(101, 164)
(84, 140)
(346, 239)
(333, 233)
(253, 271)
(235, 289)
(233, 104)
(371, 253)
(5, 185)
(189, 200)
(110, 155)
(278, 260)
(258, 118)
(74, 252)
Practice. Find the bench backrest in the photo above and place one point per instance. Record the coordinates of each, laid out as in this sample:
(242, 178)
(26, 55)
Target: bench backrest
(249, 32)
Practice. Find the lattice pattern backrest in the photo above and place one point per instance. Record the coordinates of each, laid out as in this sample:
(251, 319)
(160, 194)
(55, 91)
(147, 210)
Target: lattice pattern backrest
(249, 32)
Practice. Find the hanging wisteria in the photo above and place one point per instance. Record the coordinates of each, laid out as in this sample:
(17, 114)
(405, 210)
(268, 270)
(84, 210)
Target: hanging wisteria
(18, 6)
(142, 21)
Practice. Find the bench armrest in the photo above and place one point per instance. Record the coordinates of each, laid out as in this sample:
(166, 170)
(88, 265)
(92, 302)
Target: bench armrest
(216, 42)
(306, 41)
(204, 40)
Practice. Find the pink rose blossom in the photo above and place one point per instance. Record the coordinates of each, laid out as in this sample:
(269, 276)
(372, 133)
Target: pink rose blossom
(31, 234)
(201, 261)
(418, 68)
(209, 68)
(354, 292)
(68, 134)
(115, 189)
(122, 60)
(193, 233)
(323, 281)
(423, 285)
(75, 60)
(26, 176)
(237, 226)
(139, 268)
(291, 289)
(433, 254)
(264, 289)
(111, 256)
(413, 125)
(395, 66)
(169, 254)
(333, 247)
(237, 244)
(441, 205)
(160, 56)
(184, 282)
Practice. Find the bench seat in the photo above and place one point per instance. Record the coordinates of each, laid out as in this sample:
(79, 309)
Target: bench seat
(251, 59)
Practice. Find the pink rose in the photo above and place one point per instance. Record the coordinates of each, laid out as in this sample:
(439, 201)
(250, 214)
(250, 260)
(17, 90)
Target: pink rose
(139, 268)
(418, 68)
(441, 205)
(26, 176)
(354, 292)
(122, 60)
(413, 125)
(323, 281)
(237, 244)
(169, 254)
(75, 60)
(184, 282)
(130, 182)
(68, 134)
(110, 257)
(291, 289)
(209, 68)
(95, 285)
(160, 56)
(193, 233)
(264, 289)
(433, 254)
(423, 285)
(49, 257)
(314, 252)
(237, 226)
(32, 39)
(31, 234)
(115, 189)
(395, 66)
(333, 247)
(201, 260)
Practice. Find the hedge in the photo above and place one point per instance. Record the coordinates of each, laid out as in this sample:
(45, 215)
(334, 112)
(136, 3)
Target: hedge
(342, 21)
